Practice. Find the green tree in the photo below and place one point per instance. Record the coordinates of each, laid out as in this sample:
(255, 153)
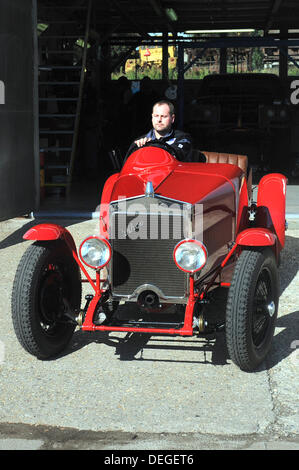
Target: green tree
(257, 59)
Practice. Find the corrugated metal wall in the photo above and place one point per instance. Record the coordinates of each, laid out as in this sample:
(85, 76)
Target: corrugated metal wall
(18, 109)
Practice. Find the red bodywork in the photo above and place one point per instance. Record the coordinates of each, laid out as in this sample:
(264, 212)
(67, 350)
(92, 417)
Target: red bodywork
(222, 191)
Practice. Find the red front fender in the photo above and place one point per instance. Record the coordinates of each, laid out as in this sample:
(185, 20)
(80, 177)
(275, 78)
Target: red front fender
(44, 232)
(256, 237)
(271, 205)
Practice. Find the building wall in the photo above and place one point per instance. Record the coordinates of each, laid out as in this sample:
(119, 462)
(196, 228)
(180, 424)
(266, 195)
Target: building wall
(18, 149)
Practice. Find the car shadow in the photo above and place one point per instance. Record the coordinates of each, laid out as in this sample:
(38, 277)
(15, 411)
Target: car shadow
(286, 340)
(16, 237)
(288, 268)
(131, 347)
(211, 348)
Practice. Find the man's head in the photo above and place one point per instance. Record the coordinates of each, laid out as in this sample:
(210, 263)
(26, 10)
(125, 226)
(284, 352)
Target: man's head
(163, 117)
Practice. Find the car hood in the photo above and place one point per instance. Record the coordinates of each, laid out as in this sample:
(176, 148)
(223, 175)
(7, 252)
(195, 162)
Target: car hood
(186, 182)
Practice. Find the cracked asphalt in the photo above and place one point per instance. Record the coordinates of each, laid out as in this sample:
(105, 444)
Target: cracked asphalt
(134, 392)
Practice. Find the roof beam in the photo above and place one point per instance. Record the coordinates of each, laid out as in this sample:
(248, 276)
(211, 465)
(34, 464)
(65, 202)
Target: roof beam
(129, 18)
(275, 7)
(157, 7)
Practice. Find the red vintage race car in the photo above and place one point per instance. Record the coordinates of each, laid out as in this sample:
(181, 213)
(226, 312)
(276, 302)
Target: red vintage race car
(170, 234)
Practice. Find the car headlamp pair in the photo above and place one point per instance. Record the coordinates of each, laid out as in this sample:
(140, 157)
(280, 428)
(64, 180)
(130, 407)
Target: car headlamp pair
(189, 255)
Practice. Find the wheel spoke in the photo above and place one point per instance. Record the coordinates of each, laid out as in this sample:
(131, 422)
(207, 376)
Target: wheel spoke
(261, 316)
(51, 295)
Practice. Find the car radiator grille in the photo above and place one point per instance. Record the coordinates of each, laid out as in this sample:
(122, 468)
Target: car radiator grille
(145, 260)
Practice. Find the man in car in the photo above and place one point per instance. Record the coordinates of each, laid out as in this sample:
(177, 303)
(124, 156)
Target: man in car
(163, 117)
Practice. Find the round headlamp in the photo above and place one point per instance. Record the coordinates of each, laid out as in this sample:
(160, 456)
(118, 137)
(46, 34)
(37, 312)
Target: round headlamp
(190, 255)
(95, 252)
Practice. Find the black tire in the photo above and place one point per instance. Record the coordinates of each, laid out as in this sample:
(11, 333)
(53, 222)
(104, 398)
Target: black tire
(252, 307)
(47, 273)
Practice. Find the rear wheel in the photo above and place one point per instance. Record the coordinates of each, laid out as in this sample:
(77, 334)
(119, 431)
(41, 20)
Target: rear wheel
(47, 279)
(252, 308)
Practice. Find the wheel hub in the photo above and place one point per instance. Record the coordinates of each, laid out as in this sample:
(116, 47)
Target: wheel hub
(271, 308)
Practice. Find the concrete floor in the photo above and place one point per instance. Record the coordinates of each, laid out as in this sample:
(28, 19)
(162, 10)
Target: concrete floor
(129, 392)
(292, 202)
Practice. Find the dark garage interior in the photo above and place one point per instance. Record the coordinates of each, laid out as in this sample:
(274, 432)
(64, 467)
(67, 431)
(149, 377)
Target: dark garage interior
(95, 68)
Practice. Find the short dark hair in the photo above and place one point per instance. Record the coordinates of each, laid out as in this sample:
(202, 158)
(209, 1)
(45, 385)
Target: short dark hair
(168, 103)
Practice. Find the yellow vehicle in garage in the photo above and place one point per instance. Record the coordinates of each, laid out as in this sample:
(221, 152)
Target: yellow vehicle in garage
(150, 56)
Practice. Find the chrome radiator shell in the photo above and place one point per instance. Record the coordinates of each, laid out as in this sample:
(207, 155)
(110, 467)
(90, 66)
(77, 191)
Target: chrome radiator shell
(143, 232)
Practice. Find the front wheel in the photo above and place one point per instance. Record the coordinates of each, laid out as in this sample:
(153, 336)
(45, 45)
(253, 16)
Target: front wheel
(47, 279)
(252, 307)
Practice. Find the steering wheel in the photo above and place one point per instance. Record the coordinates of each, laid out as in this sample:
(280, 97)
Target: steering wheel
(162, 145)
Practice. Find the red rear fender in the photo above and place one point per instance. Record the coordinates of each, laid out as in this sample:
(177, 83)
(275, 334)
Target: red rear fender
(44, 232)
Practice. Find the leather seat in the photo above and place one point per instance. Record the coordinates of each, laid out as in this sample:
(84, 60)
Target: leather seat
(240, 160)
(215, 157)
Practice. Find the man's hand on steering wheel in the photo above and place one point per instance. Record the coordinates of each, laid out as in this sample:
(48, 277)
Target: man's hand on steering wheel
(141, 142)
(148, 142)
